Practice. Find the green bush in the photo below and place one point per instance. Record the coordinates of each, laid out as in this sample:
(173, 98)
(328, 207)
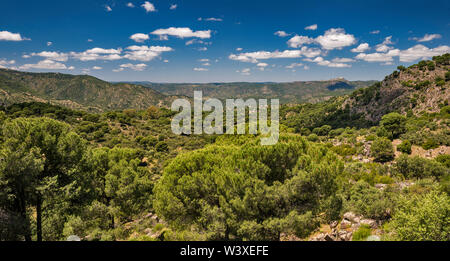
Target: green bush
(382, 150)
(422, 218)
(313, 137)
(362, 233)
(444, 159)
(404, 147)
(161, 146)
(417, 167)
(368, 201)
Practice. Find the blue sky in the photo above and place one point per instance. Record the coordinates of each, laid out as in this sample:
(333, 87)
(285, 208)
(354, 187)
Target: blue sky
(222, 40)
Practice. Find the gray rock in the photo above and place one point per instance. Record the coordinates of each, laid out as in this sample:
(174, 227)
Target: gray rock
(345, 224)
(334, 224)
(350, 216)
(370, 222)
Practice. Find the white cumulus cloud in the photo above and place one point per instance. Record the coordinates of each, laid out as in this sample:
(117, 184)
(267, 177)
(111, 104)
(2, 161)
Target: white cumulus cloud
(8, 36)
(311, 27)
(428, 37)
(361, 48)
(182, 32)
(149, 7)
(139, 37)
(45, 64)
(281, 33)
(335, 38)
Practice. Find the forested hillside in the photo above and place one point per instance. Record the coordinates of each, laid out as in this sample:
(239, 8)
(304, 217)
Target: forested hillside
(365, 166)
(290, 92)
(75, 91)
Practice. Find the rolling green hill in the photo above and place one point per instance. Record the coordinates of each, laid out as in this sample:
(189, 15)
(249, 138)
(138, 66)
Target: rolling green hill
(75, 91)
(290, 92)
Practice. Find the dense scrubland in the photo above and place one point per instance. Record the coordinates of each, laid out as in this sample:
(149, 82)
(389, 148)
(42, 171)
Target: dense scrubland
(372, 163)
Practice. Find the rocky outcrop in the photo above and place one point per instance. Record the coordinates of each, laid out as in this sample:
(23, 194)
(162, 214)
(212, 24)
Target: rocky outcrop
(343, 230)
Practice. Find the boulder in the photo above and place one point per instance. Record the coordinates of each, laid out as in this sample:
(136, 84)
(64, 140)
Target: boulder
(345, 224)
(352, 217)
(370, 222)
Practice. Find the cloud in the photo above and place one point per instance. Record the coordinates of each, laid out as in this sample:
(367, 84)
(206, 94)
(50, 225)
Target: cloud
(108, 8)
(203, 60)
(206, 64)
(239, 49)
(145, 53)
(293, 65)
(201, 69)
(149, 7)
(311, 27)
(90, 40)
(322, 62)
(8, 36)
(131, 5)
(383, 47)
(55, 56)
(139, 37)
(342, 60)
(253, 57)
(182, 32)
(49, 43)
(299, 40)
(173, 6)
(422, 52)
(196, 41)
(378, 57)
(44, 64)
(281, 33)
(5, 63)
(361, 48)
(245, 71)
(261, 66)
(97, 54)
(97, 68)
(134, 67)
(335, 38)
(375, 32)
(210, 19)
(427, 37)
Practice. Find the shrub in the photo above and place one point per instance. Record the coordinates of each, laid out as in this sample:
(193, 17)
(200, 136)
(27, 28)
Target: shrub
(404, 147)
(444, 159)
(362, 233)
(382, 150)
(313, 137)
(430, 144)
(394, 123)
(422, 218)
(439, 81)
(447, 76)
(368, 201)
(417, 167)
(161, 146)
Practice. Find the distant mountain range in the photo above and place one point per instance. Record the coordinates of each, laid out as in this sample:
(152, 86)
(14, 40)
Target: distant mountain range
(92, 94)
(289, 92)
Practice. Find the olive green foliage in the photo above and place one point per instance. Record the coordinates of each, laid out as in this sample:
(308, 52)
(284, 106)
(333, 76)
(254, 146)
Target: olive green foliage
(362, 233)
(40, 159)
(417, 167)
(405, 147)
(422, 217)
(248, 191)
(368, 201)
(382, 150)
(394, 124)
